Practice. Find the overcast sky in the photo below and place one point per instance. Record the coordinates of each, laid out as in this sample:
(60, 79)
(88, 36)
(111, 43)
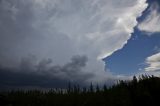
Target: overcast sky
(47, 43)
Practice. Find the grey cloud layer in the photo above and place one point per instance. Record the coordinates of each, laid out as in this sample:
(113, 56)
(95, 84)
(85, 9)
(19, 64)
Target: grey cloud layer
(45, 75)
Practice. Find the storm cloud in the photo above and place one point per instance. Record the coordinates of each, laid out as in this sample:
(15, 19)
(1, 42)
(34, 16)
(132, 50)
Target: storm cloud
(63, 40)
(42, 74)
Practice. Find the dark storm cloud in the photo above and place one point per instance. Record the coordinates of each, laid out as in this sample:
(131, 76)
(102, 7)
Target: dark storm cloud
(59, 30)
(15, 19)
(43, 74)
(17, 29)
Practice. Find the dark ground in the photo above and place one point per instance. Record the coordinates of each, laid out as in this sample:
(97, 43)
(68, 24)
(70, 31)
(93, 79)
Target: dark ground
(144, 91)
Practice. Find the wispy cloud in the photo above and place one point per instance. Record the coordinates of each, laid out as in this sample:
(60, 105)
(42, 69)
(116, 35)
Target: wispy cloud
(151, 23)
(153, 62)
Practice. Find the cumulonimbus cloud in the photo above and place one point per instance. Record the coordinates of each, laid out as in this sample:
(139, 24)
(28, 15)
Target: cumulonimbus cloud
(60, 29)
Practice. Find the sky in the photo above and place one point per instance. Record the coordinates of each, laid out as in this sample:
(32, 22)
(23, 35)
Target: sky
(48, 43)
(145, 41)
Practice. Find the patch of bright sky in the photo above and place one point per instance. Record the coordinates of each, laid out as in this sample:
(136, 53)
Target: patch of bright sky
(130, 59)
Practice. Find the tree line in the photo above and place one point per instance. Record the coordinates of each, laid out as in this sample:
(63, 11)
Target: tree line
(144, 90)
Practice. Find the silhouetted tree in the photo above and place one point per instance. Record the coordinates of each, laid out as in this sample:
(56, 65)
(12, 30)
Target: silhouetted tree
(143, 91)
